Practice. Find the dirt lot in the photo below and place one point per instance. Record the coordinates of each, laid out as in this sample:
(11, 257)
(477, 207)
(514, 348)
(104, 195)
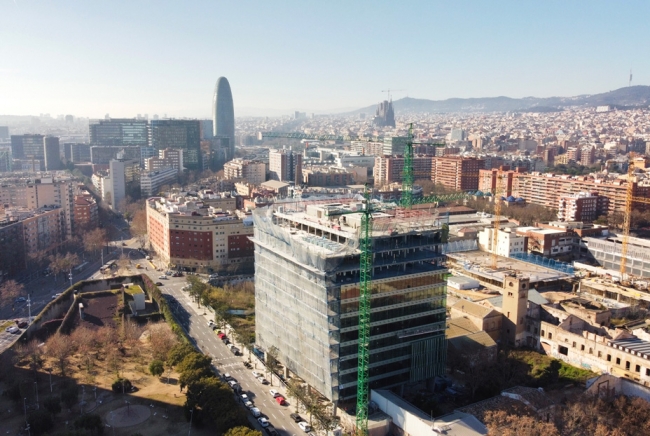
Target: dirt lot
(160, 397)
(98, 312)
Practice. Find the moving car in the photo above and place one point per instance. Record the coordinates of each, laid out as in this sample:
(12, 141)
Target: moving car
(274, 393)
(162, 277)
(21, 324)
(262, 380)
(280, 400)
(304, 426)
(55, 296)
(12, 329)
(257, 374)
(263, 422)
(21, 299)
(159, 284)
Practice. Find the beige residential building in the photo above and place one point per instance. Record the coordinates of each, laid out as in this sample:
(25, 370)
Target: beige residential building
(254, 172)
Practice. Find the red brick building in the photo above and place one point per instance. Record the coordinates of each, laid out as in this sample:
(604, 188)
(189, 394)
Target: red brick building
(85, 211)
(457, 173)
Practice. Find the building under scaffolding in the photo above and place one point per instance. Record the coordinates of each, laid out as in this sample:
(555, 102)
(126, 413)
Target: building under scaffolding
(307, 292)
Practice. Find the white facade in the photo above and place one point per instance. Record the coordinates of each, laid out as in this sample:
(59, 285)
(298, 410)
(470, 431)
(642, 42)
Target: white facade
(507, 242)
(150, 182)
(254, 172)
(116, 183)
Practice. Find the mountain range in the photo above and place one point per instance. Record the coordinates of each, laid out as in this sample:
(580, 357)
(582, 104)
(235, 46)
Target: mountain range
(630, 96)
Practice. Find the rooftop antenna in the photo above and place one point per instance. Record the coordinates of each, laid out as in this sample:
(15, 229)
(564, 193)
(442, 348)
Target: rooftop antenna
(630, 82)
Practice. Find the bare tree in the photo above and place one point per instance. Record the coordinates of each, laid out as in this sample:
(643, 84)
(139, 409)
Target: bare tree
(139, 226)
(123, 263)
(32, 352)
(9, 291)
(162, 340)
(59, 347)
(95, 239)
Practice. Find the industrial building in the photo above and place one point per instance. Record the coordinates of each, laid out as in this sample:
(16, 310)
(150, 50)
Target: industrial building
(307, 288)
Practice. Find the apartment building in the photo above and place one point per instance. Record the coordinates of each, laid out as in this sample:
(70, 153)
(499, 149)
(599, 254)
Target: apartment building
(285, 166)
(507, 242)
(252, 171)
(86, 212)
(167, 158)
(547, 188)
(185, 232)
(582, 206)
(390, 169)
(367, 148)
(457, 173)
(327, 176)
(12, 255)
(43, 228)
(151, 181)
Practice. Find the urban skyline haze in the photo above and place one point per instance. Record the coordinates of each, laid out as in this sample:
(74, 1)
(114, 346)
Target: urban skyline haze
(124, 58)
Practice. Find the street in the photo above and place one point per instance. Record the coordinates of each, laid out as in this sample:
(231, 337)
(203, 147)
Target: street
(195, 322)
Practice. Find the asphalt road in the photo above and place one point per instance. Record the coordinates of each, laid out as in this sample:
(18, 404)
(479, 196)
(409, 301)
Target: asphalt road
(195, 322)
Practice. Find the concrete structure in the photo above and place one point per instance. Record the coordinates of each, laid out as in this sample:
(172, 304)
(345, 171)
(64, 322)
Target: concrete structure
(186, 232)
(252, 171)
(507, 243)
(223, 114)
(582, 206)
(28, 147)
(607, 253)
(394, 145)
(307, 276)
(12, 256)
(43, 228)
(151, 181)
(76, 153)
(285, 166)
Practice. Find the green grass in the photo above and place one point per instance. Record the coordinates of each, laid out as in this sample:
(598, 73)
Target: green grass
(6, 324)
(134, 289)
(540, 362)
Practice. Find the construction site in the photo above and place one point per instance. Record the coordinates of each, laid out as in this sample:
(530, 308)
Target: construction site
(309, 260)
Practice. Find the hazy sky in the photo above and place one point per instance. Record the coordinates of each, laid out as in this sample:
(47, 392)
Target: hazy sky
(91, 57)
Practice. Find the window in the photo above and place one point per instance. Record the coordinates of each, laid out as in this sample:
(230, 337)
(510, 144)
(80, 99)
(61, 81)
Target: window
(582, 348)
(542, 333)
(563, 350)
(600, 354)
(550, 335)
(647, 372)
(627, 365)
(591, 351)
(574, 344)
(609, 357)
(637, 368)
(618, 360)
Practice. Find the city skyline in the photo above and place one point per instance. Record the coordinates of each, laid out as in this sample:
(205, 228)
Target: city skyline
(324, 58)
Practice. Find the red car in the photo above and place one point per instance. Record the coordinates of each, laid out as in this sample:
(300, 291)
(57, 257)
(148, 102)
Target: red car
(281, 401)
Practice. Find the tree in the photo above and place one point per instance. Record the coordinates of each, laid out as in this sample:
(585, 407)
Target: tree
(9, 291)
(91, 422)
(162, 340)
(503, 424)
(242, 431)
(197, 287)
(95, 239)
(139, 227)
(210, 398)
(178, 353)
(59, 347)
(123, 262)
(272, 362)
(52, 405)
(69, 395)
(194, 367)
(156, 368)
(40, 421)
(33, 352)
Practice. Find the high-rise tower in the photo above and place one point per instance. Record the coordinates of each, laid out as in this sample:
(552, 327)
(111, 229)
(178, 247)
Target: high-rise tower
(223, 114)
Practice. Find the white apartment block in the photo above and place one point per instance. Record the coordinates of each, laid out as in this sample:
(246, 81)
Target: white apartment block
(151, 181)
(507, 242)
(167, 158)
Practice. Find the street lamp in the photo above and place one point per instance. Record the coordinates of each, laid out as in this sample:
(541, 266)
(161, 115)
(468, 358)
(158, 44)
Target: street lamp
(50, 371)
(29, 307)
(191, 416)
(25, 408)
(70, 277)
(36, 389)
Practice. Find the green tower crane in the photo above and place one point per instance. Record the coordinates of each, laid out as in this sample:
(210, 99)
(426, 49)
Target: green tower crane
(407, 180)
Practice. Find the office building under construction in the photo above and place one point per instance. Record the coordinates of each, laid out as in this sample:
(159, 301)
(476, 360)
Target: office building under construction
(307, 281)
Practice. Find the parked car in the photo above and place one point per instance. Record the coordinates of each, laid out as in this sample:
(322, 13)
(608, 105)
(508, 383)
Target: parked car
(304, 426)
(271, 431)
(296, 417)
(262, 380)
(227, 377)
(256, 412)
(159, 284)
(257, 374)
(21, 299)
(55, 296)
(263, 422)
(21, 324)
(274, 393)
(12, 329)
(162, 277)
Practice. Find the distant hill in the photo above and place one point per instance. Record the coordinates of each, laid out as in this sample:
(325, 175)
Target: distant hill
(623, 97)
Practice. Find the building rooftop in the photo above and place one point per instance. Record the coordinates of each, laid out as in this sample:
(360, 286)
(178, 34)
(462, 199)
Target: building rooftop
(635, 346)
(473, 309)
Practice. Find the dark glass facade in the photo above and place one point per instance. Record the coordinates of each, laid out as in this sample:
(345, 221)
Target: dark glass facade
(223, 113)
(182, 134)
(129, 131)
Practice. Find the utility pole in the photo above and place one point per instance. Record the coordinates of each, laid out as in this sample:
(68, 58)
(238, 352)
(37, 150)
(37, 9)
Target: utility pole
(70, 277)
(29, 307)
(50, 371)
(191, 416)
(36, 389)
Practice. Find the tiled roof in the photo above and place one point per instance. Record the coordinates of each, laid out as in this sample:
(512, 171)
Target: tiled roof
(473, 309)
